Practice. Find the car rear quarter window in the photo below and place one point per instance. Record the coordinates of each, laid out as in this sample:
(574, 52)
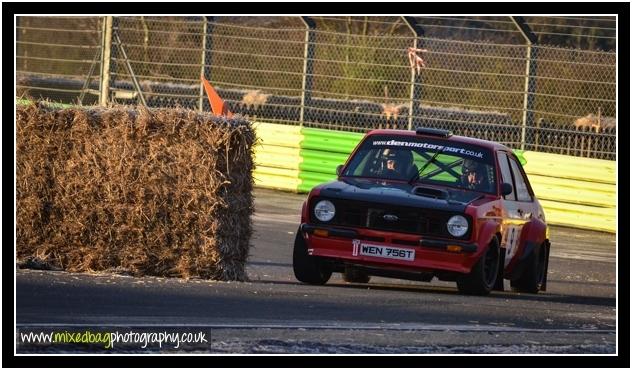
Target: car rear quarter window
(505, 172)
(522, 191)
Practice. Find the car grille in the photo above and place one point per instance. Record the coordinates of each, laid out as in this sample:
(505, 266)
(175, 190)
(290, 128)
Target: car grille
(409, 220)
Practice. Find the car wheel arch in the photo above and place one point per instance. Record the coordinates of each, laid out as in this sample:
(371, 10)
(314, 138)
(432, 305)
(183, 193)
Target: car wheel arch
(304, 212)
(532, 238)
(489, 230)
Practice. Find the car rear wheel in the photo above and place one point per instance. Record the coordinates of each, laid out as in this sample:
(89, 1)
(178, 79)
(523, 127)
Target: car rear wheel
(533, 278)
(482, 278)
(308, 269)
(354, 275)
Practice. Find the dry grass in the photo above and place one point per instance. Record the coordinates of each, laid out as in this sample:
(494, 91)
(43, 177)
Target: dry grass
(592, 121)
(254, 98)
(392, 110)
(165, 192)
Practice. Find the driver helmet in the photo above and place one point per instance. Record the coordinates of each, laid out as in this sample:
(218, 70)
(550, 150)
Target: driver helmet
(401, 159)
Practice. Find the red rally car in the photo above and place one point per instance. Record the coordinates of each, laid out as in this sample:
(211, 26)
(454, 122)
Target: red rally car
(423, 204)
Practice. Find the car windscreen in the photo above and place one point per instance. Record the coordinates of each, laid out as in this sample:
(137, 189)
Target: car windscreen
(424, 160)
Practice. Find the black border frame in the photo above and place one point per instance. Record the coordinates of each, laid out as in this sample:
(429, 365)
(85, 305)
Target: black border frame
(304, 361)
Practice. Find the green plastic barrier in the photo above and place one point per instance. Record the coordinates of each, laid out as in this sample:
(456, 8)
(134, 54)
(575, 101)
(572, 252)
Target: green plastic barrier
(561, 193)
(573, 185)
(520, 154)
(277, 156)
(583, 217)
(321, 162)
(330, 141)
(311, 179)
(321, 152)
(569, 167)
(574, 191)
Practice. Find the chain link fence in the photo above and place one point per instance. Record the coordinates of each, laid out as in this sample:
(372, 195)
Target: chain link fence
(479, 76)
(59, 58)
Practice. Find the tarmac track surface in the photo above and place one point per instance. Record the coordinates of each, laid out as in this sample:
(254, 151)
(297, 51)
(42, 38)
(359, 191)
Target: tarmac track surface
(273, 313)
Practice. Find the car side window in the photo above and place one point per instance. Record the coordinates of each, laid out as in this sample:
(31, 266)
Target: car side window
(522, 190)
(505, 172)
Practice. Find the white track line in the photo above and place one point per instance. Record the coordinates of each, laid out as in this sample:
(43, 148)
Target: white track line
(325, 326)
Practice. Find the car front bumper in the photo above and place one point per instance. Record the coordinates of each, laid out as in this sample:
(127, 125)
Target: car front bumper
(430, 255)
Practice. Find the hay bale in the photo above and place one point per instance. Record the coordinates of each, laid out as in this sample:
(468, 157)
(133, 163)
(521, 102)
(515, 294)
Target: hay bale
(163, 192)
(36, 263)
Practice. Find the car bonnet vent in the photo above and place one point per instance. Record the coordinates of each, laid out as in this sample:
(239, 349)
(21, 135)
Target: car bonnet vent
(433, 132)
(430, 192)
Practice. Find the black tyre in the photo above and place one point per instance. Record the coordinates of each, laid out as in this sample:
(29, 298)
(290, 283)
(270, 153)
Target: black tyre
(482, 278)
(354, 275)
(308, 269)
(534, 276)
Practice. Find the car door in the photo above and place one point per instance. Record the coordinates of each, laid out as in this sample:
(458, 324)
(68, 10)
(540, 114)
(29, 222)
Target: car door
(518, 207)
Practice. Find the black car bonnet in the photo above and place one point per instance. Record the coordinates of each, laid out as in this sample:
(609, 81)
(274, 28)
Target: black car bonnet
(399, 194)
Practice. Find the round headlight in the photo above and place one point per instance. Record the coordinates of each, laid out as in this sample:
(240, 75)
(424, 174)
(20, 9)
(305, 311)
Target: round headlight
(457, 226)
(324, 210)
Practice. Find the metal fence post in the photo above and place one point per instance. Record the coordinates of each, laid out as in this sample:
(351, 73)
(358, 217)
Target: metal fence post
(530, 71)
(414, 110)
(308, 66)
(529, 98)
(18, 46)
(106, 49)
(207, 43)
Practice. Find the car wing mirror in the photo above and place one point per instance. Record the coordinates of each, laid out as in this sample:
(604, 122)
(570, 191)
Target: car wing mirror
(339, 169)
(506, 188)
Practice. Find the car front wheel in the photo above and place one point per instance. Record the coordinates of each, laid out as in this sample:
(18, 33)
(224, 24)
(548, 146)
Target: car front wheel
(308, 269)
(482, 278)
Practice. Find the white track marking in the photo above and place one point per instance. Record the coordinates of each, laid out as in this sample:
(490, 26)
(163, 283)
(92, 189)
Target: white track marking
(328, 326)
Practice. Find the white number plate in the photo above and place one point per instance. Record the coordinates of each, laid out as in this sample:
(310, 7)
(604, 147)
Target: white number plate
(387, 252)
